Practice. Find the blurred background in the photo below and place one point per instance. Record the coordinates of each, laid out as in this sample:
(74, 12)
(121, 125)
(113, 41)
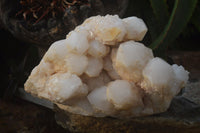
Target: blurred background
(28, 27)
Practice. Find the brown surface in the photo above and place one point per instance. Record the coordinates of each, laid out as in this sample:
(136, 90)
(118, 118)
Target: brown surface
(190, 60)
(20, 116)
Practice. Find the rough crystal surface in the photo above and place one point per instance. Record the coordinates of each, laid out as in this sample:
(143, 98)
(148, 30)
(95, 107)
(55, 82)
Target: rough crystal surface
(101, 70)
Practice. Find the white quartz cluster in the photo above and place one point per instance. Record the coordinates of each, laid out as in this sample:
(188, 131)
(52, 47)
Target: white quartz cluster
(101, 70)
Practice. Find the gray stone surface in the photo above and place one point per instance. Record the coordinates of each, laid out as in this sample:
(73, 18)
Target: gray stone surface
(182, 116)
(192, 92)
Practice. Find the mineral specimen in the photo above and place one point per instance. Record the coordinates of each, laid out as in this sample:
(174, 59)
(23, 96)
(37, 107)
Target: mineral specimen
(100, 70)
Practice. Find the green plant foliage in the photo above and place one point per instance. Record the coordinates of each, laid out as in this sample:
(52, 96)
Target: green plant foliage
(182, 11)
(166, 20)
(196, 17)
(160, 10)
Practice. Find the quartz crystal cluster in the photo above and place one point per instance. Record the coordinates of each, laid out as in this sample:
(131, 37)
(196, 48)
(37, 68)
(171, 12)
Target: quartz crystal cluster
(101, 69)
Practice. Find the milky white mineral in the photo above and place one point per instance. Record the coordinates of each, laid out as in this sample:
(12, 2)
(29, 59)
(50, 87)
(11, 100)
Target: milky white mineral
(101, 70)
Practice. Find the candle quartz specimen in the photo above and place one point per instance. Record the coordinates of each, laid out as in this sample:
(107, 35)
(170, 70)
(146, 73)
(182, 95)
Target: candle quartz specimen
(101, 69)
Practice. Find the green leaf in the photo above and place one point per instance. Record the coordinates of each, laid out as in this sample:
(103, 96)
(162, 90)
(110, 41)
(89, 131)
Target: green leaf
(182, 11)
(196, 17)
(161, 12)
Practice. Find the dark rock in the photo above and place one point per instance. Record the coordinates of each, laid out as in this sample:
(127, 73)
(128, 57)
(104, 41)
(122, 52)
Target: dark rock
(46, 31)
(182, 116)
(192, 92)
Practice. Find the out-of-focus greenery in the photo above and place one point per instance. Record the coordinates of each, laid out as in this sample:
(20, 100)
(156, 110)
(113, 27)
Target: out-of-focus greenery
(166, 20)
